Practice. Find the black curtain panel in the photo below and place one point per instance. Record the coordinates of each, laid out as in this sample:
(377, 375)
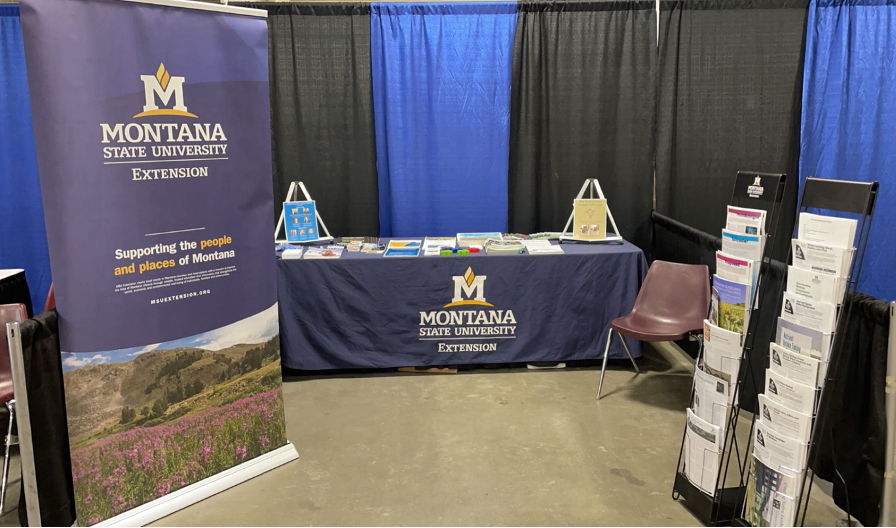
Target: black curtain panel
(583, 105)
(852, 420)
(730, 85)
(322, 110)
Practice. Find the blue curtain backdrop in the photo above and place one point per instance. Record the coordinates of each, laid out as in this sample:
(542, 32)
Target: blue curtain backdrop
(441, 94)
(23, 236)
(849, 116)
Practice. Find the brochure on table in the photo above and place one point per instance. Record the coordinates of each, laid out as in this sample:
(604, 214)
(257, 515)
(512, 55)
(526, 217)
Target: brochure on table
(327, 252)
(466, 240)
(542, 247)
(301, 221)
(432, 246)
(590, 219)
(403, 248)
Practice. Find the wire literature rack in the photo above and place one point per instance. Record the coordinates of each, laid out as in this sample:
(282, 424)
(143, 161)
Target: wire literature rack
(756, 191)
(839, 196)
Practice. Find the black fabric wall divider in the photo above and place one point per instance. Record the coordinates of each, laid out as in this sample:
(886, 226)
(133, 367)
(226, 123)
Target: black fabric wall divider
(322, 110)
(853, 435)
(583, 105)
(730, 86)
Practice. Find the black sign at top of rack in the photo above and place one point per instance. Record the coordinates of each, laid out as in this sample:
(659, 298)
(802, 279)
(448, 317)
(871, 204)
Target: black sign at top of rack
(756, 190)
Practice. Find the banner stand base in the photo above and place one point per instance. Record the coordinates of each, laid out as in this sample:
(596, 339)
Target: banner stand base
(180, 499)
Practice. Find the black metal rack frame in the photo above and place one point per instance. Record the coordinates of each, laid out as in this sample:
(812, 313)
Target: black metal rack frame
(721, 508)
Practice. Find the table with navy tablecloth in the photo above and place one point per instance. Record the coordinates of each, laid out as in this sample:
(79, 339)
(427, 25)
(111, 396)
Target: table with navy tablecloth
(367, 311)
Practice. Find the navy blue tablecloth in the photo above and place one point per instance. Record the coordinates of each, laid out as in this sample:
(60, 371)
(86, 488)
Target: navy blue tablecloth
(367, 311)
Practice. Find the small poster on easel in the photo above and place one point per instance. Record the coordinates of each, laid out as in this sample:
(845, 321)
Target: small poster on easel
(590, 219)
(301, 222)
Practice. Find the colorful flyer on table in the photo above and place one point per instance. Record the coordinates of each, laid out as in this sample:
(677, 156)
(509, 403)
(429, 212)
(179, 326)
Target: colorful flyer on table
(403, 248)
(301, 222)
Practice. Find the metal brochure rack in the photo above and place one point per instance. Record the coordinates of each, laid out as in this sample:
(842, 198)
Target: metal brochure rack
(852, 198)
(755, 191)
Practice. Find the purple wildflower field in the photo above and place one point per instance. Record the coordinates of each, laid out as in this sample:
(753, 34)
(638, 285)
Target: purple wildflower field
(130, 468)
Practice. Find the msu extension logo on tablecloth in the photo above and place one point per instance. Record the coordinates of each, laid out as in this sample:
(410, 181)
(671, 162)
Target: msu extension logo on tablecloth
(467, 325)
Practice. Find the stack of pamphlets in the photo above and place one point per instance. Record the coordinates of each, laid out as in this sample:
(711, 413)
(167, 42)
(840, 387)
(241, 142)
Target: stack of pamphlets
(403, 248)
(373, 248)
(291, 253)
(798, 359)
(319, 252)
(466, 240)
(433, 245)
(514, 236)
(504, 247)
(734, 288)
(542, 246)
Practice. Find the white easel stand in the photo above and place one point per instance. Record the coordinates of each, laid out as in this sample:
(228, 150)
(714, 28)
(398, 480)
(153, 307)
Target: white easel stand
(592, 185)
(292, 195)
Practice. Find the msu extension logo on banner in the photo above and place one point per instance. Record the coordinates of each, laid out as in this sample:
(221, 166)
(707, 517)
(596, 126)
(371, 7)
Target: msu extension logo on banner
(163, 86)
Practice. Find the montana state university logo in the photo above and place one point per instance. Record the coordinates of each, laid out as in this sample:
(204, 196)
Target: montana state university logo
(756, 190)
(478, 322)
(470, 286)
(162, 87)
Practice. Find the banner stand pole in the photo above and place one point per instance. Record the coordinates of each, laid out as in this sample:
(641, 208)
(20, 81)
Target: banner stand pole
(26, 447)
(888, 498)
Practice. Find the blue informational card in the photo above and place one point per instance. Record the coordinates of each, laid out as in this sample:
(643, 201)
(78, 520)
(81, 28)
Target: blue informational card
(301, 222)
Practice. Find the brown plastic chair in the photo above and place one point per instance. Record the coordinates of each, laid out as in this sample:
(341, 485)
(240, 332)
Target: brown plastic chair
(672, 304)
(9, 313)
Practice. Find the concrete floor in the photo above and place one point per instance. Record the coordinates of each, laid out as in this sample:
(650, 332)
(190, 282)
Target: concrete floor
(505, 447)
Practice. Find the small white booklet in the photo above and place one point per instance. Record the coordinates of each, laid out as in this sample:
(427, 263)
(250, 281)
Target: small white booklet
(816, 286)
(711, 398)
(703, 445)
(746, 221)
(542, 246)
(799, 397)
(821, 258)
(721, 352)
(806, 312)
(290, 254)
(743, 246)
(793, 365)
(839, 232)
(804, 340)
(776, 450)
(785, 420)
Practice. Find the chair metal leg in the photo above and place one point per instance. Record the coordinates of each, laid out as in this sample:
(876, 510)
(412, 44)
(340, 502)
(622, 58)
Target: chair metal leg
(11, 405)
(629, 352)
(603, 369)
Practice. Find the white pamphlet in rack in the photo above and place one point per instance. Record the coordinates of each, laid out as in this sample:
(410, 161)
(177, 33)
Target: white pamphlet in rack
(839, 232)
(592, 186)
(292, 195)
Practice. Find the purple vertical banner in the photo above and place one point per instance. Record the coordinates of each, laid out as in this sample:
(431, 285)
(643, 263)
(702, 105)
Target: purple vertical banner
(152, 128)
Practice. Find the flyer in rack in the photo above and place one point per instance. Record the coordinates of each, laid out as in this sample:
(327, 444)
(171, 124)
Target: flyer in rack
(776, 450)
(806, 312)
(793, 365)
(744, 246)
(770, 495)
(819, 287)
(711, 397)
(737, 269)
(804, 340)
(721, 352)
(702, 451)
(733, 303)
(784, 419)
(799, 397)
(839, 232)
(745, 221)
(821, 258)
